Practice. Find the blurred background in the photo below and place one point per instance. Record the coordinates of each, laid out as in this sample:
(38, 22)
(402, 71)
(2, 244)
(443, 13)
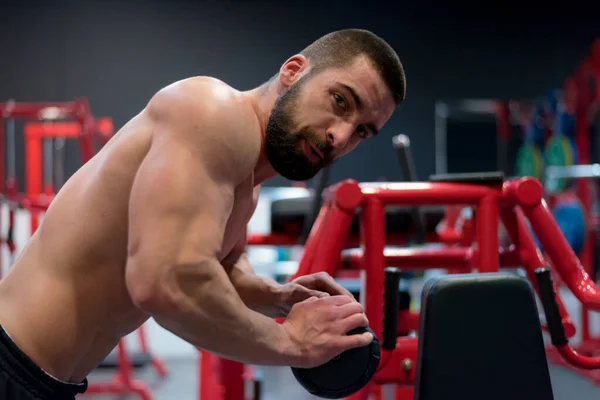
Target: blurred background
(119, 53)
(462, 62)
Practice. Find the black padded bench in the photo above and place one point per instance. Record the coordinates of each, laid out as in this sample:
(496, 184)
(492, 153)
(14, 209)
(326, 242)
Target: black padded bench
(481, 339)
(293, 212)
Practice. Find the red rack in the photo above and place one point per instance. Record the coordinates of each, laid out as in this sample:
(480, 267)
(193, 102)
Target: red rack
(68, 120)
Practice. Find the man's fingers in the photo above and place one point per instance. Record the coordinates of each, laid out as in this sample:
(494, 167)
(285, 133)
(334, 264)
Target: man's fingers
(311, 299)
(339, 300)
(317, 293)
(325, 282)
(353, 341)
(349, 309)
(354, 321)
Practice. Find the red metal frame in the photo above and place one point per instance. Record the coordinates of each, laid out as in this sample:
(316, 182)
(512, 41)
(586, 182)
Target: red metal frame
(88, 130)
(581, 99)
(514, 203)
(78, 110)
(582, 102)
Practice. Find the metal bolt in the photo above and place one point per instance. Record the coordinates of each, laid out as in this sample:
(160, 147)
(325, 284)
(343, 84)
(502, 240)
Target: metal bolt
(407, 364)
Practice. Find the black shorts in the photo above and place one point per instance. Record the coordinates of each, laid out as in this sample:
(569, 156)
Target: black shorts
(22, 379)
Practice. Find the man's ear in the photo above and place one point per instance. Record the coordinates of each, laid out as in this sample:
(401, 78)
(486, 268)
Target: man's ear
(292, 70)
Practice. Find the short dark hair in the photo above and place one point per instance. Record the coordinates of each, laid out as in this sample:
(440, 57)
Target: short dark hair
(340, 48)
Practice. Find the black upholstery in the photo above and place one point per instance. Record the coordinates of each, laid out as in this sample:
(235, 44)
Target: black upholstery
(481, 338)
(293, 211)
(477, 178)
(137, 359)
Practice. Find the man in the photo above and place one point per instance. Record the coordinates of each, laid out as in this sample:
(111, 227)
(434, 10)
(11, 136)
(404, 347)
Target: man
(155, 225)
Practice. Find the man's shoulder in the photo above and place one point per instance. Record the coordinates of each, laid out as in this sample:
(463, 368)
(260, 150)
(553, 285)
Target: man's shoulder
(202, 96)
(213, 115)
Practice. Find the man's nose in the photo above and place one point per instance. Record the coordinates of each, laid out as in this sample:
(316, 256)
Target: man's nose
(339, 135)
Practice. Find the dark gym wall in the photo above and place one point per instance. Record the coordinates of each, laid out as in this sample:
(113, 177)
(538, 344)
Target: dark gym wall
(118, 53)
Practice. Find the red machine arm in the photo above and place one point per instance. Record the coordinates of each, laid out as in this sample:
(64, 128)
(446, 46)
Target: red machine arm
(528, 194)
(555, 326)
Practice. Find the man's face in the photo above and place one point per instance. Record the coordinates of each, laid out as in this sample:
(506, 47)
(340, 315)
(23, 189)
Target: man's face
(324, 116)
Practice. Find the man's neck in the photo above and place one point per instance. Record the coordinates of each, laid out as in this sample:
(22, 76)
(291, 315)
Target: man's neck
(263, 99)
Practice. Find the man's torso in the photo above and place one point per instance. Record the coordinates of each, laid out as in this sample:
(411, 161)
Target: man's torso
(65, 301)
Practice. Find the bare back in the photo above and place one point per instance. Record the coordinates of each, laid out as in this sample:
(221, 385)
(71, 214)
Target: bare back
(68, 286)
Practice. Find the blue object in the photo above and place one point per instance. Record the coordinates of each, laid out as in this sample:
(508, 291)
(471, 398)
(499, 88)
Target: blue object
(575, 151)
(283, 253)
(571, 220)
(565, 124)
(551, 101)
(535, 132)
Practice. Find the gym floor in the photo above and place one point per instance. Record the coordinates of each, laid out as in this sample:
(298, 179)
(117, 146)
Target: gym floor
(182, 384)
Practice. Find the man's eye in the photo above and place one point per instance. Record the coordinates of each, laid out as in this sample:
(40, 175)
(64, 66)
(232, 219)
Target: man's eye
(339, 100)
(362, 132)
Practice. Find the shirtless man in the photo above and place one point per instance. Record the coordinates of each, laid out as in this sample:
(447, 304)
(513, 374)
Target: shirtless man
(155, 225)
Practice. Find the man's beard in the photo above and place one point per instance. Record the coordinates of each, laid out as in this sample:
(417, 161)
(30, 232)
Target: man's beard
(284, 144)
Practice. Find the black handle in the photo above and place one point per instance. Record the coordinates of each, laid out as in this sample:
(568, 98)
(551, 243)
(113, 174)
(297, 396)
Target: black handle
(407, 166)
(391, 304)
(548, 300)
(315, 205)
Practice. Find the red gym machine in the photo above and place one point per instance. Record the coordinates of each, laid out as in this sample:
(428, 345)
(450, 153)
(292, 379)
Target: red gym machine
(40, 119)
(44, 123)
(582, 99)
(492, 198)
(513, 203)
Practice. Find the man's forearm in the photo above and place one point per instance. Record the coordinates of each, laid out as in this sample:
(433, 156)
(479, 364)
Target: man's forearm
(258, 293)
(209, 314)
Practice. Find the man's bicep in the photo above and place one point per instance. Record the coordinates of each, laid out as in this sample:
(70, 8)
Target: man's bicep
(178, 210)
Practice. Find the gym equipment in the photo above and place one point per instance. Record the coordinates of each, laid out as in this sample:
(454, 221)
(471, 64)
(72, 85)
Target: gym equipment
(569, 215)
(580, 102)
(560, 150)
(407, 166)
(520, 198)
(530, 161)
(288, 216)
(352, 370)
(480, 338)
(493, 199)
(317, 200)
(345, 374)
(514, 202)
(46, 123)
(291, 217)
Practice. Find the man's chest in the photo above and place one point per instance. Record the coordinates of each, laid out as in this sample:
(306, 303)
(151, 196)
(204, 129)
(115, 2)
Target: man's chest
(245, 201)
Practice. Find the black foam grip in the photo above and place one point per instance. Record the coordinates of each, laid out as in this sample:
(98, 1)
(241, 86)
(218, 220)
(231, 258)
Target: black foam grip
(548, 300)
(409, 171)
(391, 303)
(315, 206)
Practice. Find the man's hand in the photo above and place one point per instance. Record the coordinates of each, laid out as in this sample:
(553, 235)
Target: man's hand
(318, 329)
(304, 287)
